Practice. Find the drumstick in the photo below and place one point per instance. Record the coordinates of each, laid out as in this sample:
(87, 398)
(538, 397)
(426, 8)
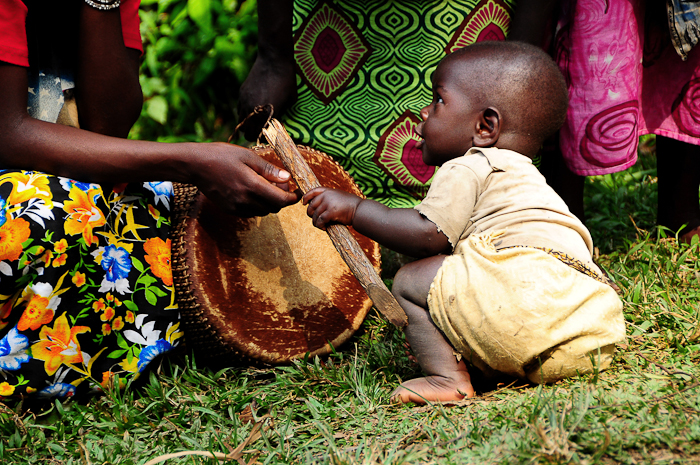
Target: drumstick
(344, 242)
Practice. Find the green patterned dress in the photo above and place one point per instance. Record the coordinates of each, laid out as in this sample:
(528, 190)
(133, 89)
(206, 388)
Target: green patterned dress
(364, 72)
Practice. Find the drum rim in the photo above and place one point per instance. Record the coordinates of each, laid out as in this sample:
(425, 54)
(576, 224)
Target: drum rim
(194, 317)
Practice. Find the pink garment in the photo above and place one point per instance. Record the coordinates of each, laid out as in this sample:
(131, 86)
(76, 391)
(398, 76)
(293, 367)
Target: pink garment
(625, 79)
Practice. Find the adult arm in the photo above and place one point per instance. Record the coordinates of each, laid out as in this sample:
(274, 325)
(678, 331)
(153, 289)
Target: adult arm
(531, 20)
(403, 230)
(108, 93)
(272, 78)
(236, 178)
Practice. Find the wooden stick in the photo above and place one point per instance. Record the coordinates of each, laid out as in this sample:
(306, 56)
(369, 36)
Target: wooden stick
(342, 239)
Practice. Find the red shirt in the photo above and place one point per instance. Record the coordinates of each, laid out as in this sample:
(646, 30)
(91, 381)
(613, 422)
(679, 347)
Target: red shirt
(13, 35)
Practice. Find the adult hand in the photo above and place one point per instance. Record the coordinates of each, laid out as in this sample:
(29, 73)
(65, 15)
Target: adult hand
(271, 83)
(240, 181)
(327, 206)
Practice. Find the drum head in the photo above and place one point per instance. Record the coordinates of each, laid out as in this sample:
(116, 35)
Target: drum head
(267, 289)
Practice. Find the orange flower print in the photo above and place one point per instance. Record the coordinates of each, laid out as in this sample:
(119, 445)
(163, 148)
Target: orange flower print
(83, 215)
(61, 246)
(113, 300)
(36, 314)
(109, 378)
(60, 260)
(12, 234)
(6, 389)
(158, 256)
(154, 212)
(98, 305)
(118, 324)
(58, 345)
(48, 255)
(129, 316)
(106, 378)
(6, 311)
(28, 185)
(108, 314)
(106, 329)
(79, 279)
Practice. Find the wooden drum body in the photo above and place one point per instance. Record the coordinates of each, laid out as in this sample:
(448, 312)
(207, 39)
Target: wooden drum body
(267, 289)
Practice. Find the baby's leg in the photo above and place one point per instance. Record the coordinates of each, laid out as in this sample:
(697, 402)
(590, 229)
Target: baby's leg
(448, 379)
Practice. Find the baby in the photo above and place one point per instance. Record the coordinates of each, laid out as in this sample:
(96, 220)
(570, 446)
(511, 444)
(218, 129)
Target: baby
(505, 280)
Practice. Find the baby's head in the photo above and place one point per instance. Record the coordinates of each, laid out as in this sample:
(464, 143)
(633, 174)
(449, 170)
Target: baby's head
(509, 95)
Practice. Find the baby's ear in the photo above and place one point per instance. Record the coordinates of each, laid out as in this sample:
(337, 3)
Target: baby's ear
(488, 128)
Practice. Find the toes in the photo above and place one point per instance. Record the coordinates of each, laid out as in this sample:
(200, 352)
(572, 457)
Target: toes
(397, 396)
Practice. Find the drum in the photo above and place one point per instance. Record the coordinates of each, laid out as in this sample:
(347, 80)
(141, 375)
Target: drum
(264, 290)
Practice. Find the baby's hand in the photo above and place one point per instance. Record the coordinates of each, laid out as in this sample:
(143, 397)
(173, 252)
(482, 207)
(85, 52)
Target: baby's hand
(327, 206)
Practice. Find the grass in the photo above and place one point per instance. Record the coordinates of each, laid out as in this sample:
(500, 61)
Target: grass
(335, 411)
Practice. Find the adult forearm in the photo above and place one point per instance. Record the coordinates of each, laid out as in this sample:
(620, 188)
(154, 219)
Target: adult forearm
(272, 80)
(235, 178)
(108, 92)
(275, 41)
(28, 143)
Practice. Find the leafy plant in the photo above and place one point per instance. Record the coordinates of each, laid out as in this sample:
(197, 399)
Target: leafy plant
(196, 55)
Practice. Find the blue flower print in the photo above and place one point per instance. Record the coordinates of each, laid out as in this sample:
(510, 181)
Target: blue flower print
(116, 262)
(13, 350)
(67, 184)
(163, 191)
(3, 215)
(147, 354)
(60, 390)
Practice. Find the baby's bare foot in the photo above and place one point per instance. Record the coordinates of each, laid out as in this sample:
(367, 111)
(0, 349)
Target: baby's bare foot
(434, 389)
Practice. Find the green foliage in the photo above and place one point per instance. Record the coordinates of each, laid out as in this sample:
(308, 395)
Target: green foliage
(644, 409)
(196, 55)
(620, 204)
(336, 410)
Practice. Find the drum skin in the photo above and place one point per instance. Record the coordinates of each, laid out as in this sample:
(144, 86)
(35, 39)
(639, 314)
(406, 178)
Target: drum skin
(265, 290)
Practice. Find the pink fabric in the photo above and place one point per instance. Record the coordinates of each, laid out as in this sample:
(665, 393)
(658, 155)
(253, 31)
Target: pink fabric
(625, 79)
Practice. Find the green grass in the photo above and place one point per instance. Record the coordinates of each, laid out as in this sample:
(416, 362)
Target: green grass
(336, 411)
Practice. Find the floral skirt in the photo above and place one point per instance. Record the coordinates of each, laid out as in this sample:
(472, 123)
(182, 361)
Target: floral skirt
(86, 291)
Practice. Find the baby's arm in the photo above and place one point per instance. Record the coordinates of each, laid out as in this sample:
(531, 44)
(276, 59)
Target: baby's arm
(403, 230)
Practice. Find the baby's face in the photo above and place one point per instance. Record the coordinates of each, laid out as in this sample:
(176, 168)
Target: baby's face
(449, 122)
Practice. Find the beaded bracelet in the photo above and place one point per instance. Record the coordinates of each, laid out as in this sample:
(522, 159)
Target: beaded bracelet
(104, 4)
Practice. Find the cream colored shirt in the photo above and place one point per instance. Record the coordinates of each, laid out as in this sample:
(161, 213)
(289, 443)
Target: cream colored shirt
(489, 190)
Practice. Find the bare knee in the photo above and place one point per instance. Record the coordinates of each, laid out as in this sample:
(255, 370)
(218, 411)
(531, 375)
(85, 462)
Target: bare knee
(412, 282)
(402, 284)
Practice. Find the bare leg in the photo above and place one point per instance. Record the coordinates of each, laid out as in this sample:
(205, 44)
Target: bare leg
(447, 379)
(678, 169)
